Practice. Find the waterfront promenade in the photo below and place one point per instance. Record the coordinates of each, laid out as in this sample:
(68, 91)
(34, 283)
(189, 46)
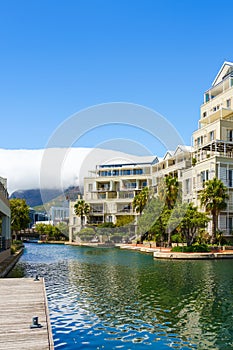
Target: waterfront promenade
(166, 253)
(21, 299)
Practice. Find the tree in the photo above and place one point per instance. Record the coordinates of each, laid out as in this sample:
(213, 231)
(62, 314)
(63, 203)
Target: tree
(149, 223)
(82, 209)
(213, 197)
(170, 194)
(169, 191)
(124, 220)
(140, 200)
(188, 221)
(19, 214)
(63, 228)
(51, 232)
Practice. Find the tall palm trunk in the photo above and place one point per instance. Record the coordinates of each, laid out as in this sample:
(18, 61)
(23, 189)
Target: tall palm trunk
(214, 226)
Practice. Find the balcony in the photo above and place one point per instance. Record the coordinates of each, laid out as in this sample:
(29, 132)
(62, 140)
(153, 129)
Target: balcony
(126, 195)
(125, 209)
(221, 113)
(219, 88)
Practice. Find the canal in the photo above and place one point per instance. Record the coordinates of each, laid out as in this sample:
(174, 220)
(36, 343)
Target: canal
(107, 298)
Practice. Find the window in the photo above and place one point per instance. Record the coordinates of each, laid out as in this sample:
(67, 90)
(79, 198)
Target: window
(229, 103)
(131, 185)
(103, 173)
(137, 171)
(204, 115)
(207, 97)
(230, 222)
(230, 135)
(230, 178)
(211, 135)
(200, 140)
(204, 176)
(187, 186)
(90, 187)
(194, 182)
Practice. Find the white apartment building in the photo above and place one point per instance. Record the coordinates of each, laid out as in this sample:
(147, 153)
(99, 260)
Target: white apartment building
(112, 187)
(213, 145)
(173, 163)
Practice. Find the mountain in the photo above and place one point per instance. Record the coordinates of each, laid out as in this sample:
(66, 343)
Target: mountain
(33, 197)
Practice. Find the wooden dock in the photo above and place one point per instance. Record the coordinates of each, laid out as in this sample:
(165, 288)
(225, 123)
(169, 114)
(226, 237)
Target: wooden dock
(21, 299)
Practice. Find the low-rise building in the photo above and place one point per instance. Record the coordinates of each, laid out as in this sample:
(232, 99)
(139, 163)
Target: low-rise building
(5, 232)
(112, 187)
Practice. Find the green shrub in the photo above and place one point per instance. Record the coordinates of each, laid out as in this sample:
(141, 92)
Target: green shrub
(87, 231)
(87, 234)
(106, 225)
(15, 246)
(176, 238)
(196, 248)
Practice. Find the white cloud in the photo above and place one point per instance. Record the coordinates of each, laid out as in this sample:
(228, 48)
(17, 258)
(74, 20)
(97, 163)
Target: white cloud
(22, 168)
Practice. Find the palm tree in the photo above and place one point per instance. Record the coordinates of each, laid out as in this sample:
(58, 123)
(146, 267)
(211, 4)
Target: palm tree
(140, 200)
(169, 193)
(213, 197)
(81, 209)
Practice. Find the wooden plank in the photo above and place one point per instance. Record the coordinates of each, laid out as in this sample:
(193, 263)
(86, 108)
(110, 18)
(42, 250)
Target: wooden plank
(20, 300)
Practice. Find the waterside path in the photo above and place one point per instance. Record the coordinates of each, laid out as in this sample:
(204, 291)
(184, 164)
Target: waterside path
(165, 253)
(21, 299)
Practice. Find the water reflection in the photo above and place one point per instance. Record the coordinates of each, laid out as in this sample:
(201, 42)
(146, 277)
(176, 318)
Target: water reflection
(111, 299)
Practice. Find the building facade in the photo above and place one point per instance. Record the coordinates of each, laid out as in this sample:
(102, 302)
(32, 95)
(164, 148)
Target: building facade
(212, 153)
(5, 232)
(111, 190)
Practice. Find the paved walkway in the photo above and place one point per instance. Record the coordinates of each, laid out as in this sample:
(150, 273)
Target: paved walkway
(20, 300)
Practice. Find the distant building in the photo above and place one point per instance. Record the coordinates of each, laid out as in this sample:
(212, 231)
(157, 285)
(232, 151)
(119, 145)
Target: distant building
(5, 233)
(36, 216)
(59, 214)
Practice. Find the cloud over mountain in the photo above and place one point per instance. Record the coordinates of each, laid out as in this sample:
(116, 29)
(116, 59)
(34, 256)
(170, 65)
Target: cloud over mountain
(24, 169)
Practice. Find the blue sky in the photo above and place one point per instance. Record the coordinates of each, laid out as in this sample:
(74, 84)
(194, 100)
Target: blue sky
(59, 57)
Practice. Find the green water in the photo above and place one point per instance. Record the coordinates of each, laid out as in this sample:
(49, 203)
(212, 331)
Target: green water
(114, 299)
